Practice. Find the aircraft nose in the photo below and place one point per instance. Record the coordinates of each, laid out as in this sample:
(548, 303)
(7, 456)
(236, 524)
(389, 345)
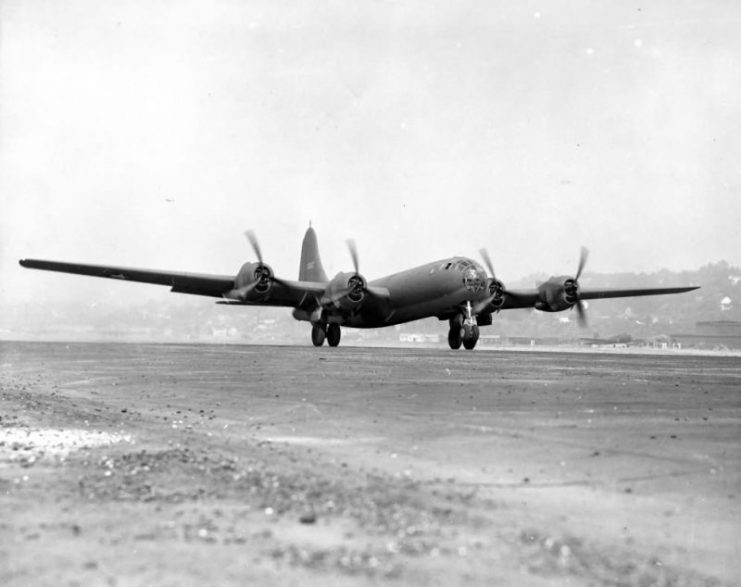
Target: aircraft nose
(474, 280)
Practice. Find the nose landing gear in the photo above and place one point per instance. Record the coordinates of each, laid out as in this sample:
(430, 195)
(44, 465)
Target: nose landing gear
(471, 336)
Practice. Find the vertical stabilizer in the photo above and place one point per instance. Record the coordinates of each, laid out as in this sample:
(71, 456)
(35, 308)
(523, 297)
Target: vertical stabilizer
(311, 265)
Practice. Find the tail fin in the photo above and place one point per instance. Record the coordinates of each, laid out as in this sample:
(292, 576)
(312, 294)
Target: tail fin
(311, 265)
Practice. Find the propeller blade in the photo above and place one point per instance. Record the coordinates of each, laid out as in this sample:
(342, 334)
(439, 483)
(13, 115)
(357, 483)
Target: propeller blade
(242, 292)
(582, 261)
(483, 303)
(353, 253)
(487, 260)
(255, 245)
(581, 314)
(338, 295)
(279, 281)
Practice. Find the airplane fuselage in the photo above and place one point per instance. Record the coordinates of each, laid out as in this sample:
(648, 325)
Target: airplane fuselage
(434, 289)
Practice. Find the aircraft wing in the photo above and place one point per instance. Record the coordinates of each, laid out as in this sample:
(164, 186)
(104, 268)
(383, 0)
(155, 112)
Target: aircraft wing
(520, 299)
(284, 293)
(192, 283)
(527, 298)
(598, 294)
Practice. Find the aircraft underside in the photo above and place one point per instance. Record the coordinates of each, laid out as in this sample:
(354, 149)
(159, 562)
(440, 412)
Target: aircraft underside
(463, 328)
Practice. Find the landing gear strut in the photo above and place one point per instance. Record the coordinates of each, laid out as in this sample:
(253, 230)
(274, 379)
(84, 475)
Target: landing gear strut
(317, 334)
(463, 330)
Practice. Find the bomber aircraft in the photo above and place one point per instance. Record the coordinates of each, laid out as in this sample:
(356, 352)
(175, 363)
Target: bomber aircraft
(456, 289)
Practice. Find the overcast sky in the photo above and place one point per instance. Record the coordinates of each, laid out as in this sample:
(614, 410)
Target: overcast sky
(153, 134)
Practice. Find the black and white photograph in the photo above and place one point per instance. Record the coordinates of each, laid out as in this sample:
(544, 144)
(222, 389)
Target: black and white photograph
(370, 293)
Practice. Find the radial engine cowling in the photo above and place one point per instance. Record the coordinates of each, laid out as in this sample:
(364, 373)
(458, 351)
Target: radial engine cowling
(496, 292)
(557, 294)
(253, 280)
(571, 291)
(346, 291)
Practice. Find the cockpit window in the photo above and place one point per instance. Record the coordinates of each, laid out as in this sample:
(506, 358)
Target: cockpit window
(461, 265)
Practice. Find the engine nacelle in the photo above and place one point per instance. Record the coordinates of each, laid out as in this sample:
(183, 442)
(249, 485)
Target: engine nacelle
(496, 289)
(253, 280)
(557, 294)
(346, 291)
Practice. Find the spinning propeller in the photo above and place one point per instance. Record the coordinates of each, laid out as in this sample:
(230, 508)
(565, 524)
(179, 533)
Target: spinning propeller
(496, 287)
(252, 238)
(353, 253)
(263, 275)
(571, 287)
(356, 288)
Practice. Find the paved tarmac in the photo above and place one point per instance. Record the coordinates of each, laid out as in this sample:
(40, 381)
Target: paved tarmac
(128, 464)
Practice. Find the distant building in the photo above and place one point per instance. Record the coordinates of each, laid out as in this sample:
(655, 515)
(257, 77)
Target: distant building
(490, 340)
(535, 341)
(715, 334)
(419, 338)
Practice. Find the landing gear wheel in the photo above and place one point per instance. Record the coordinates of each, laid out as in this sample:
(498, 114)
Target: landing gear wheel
(471, 337)
(317, 334)
(455, 338)
(333, 334)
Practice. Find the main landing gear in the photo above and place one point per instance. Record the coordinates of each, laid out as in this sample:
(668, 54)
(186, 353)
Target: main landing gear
(463, 330)
(331, 332)
(318, 334)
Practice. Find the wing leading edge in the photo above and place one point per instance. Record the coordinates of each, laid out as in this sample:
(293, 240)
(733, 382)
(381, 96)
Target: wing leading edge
(285, 293)
(598, 294)
(192, 283)
(528, 298)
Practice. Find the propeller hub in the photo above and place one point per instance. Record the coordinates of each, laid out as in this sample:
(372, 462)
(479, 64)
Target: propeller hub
(263, 278)
(356, 288)
(496, 292)
(571, 290)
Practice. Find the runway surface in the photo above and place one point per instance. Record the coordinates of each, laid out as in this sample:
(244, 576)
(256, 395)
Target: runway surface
(125, 464)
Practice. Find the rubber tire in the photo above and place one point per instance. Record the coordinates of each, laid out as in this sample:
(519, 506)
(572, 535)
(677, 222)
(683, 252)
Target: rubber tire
(454, 338)
(333, 334)
(456, 321)
(317, 334)
(470, 342)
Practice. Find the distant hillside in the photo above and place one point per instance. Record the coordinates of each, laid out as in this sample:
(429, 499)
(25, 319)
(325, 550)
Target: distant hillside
(719, 298)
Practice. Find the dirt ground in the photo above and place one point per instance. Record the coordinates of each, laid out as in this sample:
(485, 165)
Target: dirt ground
(125, 464)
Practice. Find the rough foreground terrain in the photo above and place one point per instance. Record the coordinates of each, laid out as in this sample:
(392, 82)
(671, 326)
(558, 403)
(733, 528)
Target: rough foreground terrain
(206, 465)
